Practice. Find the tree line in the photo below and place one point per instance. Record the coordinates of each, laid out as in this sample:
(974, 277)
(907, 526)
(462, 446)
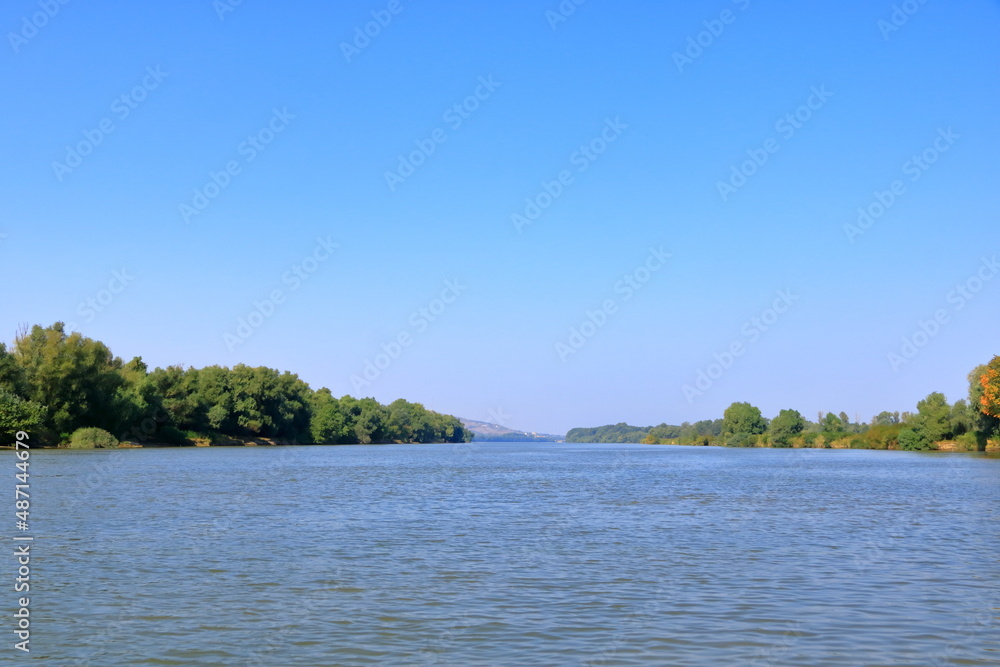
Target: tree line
(969, 423)
(65, 388)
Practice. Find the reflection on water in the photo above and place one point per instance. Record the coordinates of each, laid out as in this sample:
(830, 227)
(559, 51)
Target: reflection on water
(515, 554)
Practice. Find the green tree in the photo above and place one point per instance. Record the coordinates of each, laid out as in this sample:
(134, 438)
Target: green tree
(785, 426)
(214, 397)
(11, 373)
(741, 422)
(18, 414)
(699, 433)
(371, 423)
(329, 423)
(885, 419)
(55, 384)
(177, 390)
(962, 418)
(76, 378)
(833, 424)
(933, 419)
(138, 404)
(404, 422)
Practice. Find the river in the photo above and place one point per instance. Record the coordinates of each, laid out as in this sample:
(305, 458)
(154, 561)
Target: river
(513, 554)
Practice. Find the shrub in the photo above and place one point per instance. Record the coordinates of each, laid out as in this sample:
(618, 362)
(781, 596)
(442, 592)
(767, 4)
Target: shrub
(971, 442)
(910, 440)
(92, 438)
(883, 436)
(741, 440)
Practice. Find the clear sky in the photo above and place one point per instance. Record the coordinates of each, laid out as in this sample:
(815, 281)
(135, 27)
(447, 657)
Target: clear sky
(309, 115)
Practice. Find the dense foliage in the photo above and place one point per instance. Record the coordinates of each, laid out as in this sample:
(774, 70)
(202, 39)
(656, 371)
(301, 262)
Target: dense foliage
(54, 384)
(989, 388)
(92, 438)
(965, 425)
(614, 433)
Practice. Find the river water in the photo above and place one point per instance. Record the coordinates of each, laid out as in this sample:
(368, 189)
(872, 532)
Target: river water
(513, 554)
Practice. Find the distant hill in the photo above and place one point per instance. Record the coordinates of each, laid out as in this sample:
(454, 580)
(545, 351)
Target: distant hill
(486, 432)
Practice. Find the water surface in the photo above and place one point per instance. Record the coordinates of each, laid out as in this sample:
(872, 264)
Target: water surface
(514, 554)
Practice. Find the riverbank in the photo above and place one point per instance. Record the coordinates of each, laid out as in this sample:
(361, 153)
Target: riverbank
(220, 441)
(991, 446)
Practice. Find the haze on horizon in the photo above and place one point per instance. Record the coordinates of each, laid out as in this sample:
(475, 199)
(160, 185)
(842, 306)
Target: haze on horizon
(543, 220)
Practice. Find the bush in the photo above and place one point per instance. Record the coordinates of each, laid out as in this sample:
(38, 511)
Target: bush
(883, 436)
(741, 440)
(971, 442)
(92, 438)
(912, 441)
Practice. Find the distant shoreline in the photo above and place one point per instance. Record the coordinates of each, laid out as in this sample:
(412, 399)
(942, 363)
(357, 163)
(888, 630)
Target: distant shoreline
(946, 447)
(992, 449)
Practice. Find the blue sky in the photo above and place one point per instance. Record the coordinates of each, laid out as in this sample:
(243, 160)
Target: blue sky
(330, 121)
